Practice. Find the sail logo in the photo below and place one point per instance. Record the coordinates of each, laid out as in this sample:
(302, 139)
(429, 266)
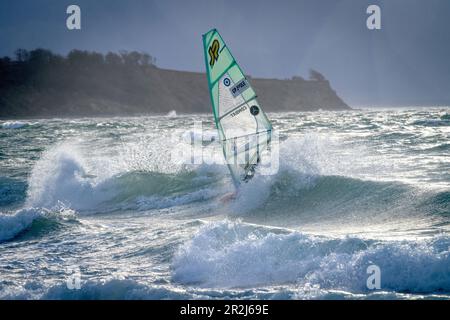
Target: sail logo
(235, 113)
(214, 52)
(239, 88)
(254, 110)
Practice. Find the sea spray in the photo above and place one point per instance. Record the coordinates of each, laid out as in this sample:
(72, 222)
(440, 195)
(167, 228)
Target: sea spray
(60, 176)
(354, 189)
(233, 254)
(15, 223)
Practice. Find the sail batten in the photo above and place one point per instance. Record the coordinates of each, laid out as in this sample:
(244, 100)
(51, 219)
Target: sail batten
(244, 128)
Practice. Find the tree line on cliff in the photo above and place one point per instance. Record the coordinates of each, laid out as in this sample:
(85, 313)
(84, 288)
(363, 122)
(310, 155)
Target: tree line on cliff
(40, 82)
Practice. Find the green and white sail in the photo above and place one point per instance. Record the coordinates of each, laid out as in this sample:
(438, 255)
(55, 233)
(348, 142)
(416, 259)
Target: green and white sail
(244, 129)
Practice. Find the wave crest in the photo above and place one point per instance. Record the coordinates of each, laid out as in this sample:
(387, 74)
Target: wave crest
(230, 254)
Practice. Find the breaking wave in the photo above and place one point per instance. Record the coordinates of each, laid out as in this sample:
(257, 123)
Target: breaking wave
(14, 124)
(32, 222)
(233, 254)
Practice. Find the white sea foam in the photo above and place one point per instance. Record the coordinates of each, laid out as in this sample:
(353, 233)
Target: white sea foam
(60, 176)
(14, 124)
(232, 254)
(64, 175)
(199, 135)
(11, 224)
(172, 113)
(112, 289)
(301, 169)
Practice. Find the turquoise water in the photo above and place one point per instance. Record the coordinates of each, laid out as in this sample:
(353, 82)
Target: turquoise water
(108, 197)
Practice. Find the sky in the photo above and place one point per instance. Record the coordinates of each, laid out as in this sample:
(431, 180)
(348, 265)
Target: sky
(406, 63)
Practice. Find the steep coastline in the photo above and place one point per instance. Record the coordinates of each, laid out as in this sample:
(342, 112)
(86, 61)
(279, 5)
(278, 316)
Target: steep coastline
(187, 92)
(90, 84)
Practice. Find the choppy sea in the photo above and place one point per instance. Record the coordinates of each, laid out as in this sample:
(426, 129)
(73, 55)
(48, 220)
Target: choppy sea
(100, 208)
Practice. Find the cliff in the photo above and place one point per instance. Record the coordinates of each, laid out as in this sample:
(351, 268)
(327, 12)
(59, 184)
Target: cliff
(42, 84)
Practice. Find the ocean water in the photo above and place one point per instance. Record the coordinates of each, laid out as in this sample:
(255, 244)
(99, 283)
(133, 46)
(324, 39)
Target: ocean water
(101, 208)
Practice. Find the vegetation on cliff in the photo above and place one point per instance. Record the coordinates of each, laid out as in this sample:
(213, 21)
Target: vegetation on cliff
(40, 83)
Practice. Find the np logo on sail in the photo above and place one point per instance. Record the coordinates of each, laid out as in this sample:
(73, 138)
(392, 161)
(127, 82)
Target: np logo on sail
(214, 52)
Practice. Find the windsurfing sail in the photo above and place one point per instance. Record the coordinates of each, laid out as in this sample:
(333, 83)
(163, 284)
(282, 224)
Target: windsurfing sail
(244, 129)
